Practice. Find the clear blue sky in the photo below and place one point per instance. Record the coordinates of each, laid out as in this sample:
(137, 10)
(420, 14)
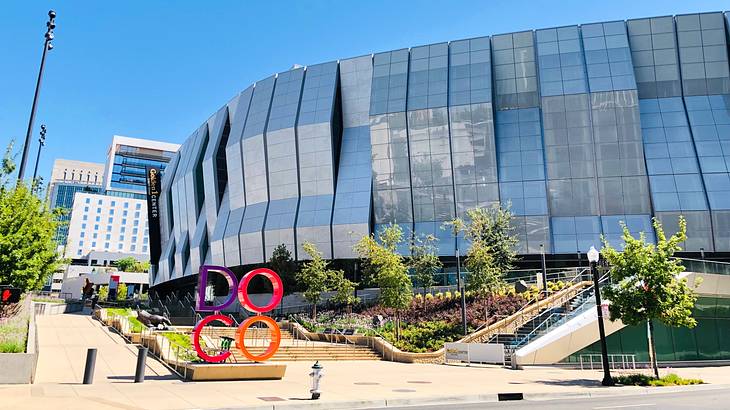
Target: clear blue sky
(158, 69)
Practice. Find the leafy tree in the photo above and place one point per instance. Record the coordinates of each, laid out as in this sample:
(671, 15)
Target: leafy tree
(344, 288)
(282, 263)
(126, 264)
(645, 284)
(484, 276)
(389, 269)
(143, 266)
(317, 278)
(424, 262)
(492, 246)
(492, 227)
(122, 291)
(130, 264)
(27, 227)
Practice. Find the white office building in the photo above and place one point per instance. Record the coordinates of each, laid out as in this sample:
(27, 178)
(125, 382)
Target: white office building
(110, 225)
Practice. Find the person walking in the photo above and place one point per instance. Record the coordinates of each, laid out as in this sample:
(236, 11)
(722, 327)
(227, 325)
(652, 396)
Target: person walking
(87, 290)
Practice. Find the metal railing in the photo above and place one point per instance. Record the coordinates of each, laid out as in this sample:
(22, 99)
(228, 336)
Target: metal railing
(173, 363)
(615, 361)
(704, 266)
(539, 330)
(587, 303)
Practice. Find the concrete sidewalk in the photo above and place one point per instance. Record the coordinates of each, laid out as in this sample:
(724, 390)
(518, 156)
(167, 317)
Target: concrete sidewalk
(63, 341)
(354, 384)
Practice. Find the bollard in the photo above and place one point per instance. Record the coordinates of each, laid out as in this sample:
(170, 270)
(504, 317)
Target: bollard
(141, 358)
(90, 363)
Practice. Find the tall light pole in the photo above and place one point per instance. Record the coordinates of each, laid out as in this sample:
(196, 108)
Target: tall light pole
(41, 143)
(461, 290)
(593, 257)
(47, 45)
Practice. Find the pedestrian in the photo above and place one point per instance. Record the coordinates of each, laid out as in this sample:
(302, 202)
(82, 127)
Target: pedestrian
(87, 290)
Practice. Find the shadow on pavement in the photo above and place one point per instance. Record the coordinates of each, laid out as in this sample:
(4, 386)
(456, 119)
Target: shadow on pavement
(572, 382)
(156, 377)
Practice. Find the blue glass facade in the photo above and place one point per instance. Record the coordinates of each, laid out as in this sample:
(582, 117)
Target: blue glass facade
(64, 199)
(578, 129)
(128, 166)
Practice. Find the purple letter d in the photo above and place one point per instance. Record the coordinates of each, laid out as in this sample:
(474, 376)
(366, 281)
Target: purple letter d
(203, 281)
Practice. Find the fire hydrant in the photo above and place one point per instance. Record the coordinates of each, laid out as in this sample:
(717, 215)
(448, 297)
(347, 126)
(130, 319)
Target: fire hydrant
(316, 375)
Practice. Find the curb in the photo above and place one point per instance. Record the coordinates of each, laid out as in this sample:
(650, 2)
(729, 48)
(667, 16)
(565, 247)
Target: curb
(478, 398)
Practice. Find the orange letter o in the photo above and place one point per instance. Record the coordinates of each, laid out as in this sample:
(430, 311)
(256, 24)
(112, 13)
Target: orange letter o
(273, 345)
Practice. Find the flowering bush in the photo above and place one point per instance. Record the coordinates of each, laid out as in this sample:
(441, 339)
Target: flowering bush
(480, 310)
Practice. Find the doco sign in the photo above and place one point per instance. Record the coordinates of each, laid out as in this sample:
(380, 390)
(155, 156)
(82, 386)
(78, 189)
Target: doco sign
(239, 290)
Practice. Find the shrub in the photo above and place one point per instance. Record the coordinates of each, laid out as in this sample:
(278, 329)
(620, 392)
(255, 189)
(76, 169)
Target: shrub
(429, 296)
(447, 295)
(423, 337)
(439, 295)
(644, 380)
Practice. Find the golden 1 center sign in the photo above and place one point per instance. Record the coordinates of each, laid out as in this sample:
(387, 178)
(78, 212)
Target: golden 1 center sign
(240, 291)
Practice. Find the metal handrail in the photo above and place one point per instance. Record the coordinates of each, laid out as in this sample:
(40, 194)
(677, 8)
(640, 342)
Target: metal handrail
(528, 337)
(627, 361)
(587, 303)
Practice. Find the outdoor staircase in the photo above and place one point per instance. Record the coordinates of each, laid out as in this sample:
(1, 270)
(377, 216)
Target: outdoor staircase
(290, 349)
(544, 321)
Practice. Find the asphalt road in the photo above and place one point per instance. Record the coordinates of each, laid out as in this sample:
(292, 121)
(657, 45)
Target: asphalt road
(697, 399)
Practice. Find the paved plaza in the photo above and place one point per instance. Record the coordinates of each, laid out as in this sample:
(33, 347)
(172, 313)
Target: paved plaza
(347, 384)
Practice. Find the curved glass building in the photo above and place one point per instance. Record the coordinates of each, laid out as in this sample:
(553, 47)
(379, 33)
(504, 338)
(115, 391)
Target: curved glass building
(577, 128)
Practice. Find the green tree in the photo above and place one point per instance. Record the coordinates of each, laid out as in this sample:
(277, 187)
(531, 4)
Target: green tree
(483, 275)
(27, 226)
(645, 283)
(126, 264)
(424, 262)
(143, 266)
(130, 264)
(388, 268)
(492, 245)
(344, 289)
(317, 278)
(122, 291)
(282, 263)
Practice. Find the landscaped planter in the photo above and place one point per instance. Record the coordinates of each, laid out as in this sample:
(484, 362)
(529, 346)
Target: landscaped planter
(392, 353)
(19, 368)
(234, 371)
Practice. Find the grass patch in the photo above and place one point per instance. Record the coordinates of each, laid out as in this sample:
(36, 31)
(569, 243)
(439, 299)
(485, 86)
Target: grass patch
(14, 335)
(183, 340)
(131, 315)
(644, 380)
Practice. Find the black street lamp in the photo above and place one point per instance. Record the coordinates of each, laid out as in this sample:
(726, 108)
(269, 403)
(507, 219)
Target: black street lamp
(544, 270)
(41, 143)
(47, 45)
(593, 256)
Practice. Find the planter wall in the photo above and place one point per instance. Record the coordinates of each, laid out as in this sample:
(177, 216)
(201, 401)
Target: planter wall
(42, 308)
(19, 368)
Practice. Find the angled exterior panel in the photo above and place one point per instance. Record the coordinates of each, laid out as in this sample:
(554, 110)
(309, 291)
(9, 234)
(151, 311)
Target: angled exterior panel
(318, 136)
(256, 181)
(225, 236)
(282, 163)
(352, 207)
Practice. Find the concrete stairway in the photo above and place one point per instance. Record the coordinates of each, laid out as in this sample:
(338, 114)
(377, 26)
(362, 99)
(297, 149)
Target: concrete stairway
(290, 349)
